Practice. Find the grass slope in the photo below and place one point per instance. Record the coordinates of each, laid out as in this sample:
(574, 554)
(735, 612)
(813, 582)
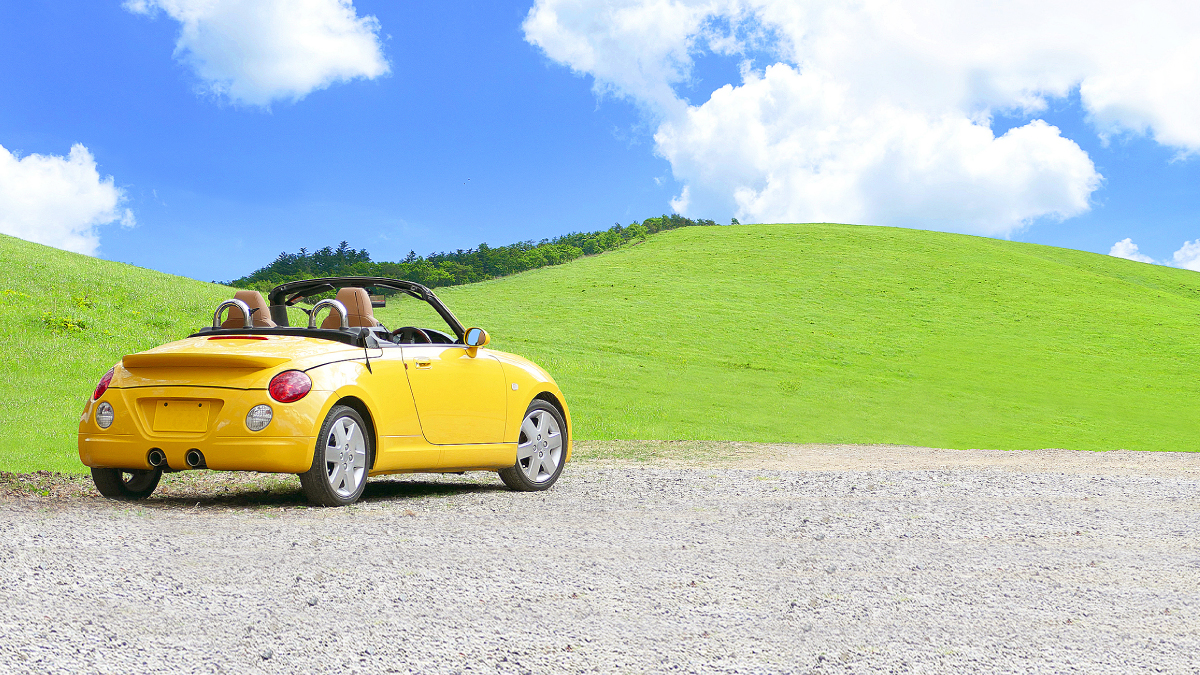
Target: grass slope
(804, 333)
(836, 333)
(65, 319)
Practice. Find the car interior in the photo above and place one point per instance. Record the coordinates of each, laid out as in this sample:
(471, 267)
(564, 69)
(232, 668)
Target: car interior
(359, 305)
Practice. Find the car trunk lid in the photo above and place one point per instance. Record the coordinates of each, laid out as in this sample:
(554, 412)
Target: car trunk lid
(238, 363)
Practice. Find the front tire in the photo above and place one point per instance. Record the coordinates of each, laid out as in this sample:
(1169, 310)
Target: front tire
(541, 449)
(339, 469)
(126, 484)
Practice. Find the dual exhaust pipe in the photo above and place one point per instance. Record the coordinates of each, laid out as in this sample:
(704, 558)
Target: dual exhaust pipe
(195, 459)
(158, 459)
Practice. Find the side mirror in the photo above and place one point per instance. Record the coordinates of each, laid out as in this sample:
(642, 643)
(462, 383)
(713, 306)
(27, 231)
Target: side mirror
(476, 337)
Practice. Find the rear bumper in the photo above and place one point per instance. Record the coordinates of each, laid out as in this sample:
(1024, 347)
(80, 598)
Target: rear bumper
(271, 455)
(285, 446)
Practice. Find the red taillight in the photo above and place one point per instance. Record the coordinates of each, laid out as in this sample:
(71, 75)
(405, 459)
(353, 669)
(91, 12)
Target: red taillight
(103, 386)
(289, 386)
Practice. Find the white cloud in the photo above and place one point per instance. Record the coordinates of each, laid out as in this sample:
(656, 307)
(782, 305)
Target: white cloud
(880, 111)
(58, 201)
(1128, 250)
(788, 147)
(634, 48)
(258, 51)
(1188, 256)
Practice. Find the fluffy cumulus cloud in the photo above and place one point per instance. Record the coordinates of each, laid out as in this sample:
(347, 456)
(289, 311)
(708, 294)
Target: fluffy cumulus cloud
(1187, 257)
(255, 52)
(59, 201)
(1128, 250)
(881, 111)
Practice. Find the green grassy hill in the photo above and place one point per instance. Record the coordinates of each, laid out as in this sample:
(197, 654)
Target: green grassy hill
(837, 333)
(804, 333)
(65, 319)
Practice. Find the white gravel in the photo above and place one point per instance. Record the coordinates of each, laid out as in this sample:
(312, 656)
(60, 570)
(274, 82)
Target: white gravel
(978, 567)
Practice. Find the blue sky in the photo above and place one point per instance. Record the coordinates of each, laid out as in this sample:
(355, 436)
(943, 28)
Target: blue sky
(494, 123)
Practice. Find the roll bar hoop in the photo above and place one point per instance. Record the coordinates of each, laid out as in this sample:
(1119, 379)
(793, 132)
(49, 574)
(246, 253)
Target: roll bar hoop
(329, 302)
(247, 322)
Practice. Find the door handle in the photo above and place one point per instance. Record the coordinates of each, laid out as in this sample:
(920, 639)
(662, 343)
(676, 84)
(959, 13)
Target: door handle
(423, 363)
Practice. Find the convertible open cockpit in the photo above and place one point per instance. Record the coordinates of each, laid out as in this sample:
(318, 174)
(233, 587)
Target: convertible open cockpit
(349, 311)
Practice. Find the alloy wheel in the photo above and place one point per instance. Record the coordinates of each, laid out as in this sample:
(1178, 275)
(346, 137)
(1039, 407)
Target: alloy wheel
(345, 457)
(540, 446)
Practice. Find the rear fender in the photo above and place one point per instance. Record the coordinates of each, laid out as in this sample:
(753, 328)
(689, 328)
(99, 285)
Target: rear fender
(384, 396)
(336, 381)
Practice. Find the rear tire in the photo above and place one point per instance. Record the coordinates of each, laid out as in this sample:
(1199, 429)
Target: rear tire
(541, 449)
(341, 460)
(126, 484)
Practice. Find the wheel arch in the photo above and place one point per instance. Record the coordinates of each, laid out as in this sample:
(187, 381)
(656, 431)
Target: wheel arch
(552, 399)
(359, 406)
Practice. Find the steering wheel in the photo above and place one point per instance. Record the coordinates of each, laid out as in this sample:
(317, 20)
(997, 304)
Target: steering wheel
(410, 335)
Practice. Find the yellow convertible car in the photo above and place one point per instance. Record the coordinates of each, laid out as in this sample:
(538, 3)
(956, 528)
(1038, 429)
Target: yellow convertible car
(334, 400)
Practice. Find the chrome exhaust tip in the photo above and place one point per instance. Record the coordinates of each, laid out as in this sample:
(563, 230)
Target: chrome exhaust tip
(156, 458)
(195, 459)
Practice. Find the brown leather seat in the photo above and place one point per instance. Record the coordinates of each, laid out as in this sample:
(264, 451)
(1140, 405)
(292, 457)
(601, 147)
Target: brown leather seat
(253, 299)
(358, 306)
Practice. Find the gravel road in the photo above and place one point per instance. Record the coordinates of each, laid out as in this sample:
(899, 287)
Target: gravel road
(790, 559)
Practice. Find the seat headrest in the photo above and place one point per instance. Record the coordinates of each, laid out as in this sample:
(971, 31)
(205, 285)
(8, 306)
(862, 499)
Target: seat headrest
(358, 306)
(254, 300)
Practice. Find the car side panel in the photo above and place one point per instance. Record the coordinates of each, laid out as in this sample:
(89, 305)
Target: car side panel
(459, 394)
(478, 456)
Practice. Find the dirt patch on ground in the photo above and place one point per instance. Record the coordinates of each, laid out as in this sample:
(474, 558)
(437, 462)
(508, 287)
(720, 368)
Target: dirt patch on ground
(814, 457)
(244, 488)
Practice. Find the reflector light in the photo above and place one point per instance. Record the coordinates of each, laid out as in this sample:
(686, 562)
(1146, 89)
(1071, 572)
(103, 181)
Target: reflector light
(289, 386)
(104, 415)
(259, 417)
(103, 386)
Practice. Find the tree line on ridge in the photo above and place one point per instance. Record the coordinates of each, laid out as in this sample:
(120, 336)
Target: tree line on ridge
(453, 268)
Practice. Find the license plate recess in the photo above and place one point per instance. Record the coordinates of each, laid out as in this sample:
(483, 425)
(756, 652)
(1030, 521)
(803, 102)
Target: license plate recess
(181, 415)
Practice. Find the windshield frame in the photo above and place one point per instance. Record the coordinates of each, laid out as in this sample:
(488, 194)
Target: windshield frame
(279, 296)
